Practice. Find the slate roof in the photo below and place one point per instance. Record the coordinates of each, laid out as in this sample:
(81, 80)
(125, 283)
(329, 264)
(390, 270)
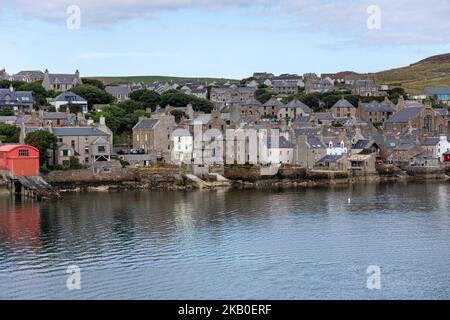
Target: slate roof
(100, 141)
(283, 143)
(335, 141)
(303, 119)
(315, 142)
(274, 103)
(78, 131)
(324, 116)
(181, 132)
(307, 131)
(404, 146)
(330, 158)
(343, 103)
(62, 78)
(202, 119)
(118, 90)
(8, 118)
(298, 104)
(430, 141)
(69, 96)
(405, 114)
(378, 107)
(363, 144)
(437, 90)
(251, 102)
(15, 97)
(55, 116)
(441, 112)
(146, 124)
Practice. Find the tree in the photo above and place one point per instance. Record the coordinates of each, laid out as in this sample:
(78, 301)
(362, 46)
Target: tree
(93, 94)
(178, 99)
(134, 119)
(9, 133)
(115, 117)
(43, 141)
(150, 99)
(131, 106)
(74, 163)
(93, 82)
(178, 115)
(73, 108)
(6, 112)
(40, 95)
(263, 93)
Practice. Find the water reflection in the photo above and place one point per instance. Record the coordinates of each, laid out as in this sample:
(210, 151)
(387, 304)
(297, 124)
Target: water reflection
(249, 243)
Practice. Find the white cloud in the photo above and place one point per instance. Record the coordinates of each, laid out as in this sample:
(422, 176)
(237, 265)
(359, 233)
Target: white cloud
(125, 55)
(107, 11)
(404, 22)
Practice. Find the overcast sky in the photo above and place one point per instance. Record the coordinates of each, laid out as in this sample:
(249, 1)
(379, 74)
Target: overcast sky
(220, 38)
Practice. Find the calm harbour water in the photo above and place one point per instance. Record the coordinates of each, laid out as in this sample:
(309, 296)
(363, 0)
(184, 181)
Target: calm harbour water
(291, 244)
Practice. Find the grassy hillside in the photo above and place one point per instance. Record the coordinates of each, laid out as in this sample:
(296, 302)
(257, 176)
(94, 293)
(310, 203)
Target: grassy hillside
(151, 79)
(434, 71)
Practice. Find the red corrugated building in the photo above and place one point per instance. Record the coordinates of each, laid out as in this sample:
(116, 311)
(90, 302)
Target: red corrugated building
(19, 160)
(447, 156)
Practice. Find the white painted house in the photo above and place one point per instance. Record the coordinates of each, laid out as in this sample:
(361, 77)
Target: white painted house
(335, 147)
(183, 146)
(276, 150)
(69, 98)
(437, 146)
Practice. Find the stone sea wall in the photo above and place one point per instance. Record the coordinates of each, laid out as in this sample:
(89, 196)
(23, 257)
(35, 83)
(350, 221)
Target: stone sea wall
(239, 176)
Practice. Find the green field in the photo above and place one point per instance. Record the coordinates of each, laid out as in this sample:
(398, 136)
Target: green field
(151, 79)
(415, 78)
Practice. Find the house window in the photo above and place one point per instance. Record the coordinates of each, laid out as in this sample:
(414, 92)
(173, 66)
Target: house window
(101, 149)
(65, 153)
(24, 153)
(86, 150)
(66, 163)
(428, 123)
(72, 144)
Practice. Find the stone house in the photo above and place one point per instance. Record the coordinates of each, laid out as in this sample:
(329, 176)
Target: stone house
(332, 162)
(361, 164)
(436, 146)
(431, 122)
(89, 144)
(343, 109)
(375, 112)
(404, 153)
(365, 88)
(154, 136)
(293, 110)
(17, 101)
(287, 87)
(308, 150)
(121, 93)
(227, 94)
(61, 82)
(313, 85)
(271, 108)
